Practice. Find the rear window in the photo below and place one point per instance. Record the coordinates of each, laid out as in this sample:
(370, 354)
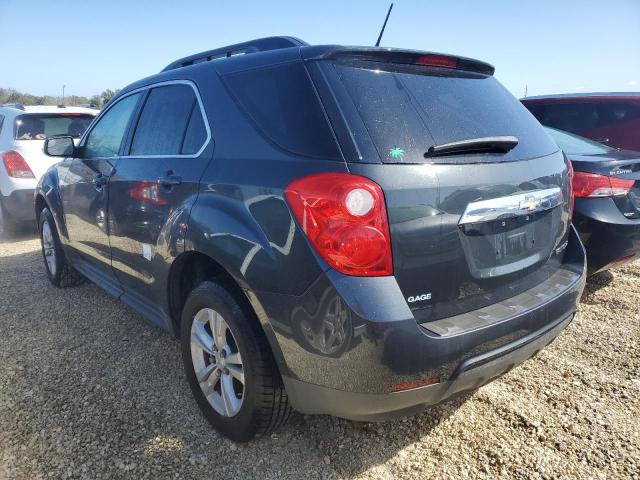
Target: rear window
(573, 144)
(284, 107)
(408, 109)
(34, 126)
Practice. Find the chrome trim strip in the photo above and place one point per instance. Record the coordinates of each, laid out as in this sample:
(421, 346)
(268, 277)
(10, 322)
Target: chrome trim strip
(517, 205)
(203, 112)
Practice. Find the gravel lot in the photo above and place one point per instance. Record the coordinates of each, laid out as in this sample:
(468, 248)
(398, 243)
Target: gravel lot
(89, 389)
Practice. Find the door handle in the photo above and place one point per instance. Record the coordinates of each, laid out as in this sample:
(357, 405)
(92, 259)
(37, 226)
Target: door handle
(170, 180)
(99, 181)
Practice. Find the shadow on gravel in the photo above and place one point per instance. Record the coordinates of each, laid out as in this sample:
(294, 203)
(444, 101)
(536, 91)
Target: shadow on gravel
(88, 388)
(595, 283)
(25, 233)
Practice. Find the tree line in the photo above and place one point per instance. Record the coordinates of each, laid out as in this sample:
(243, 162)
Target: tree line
(11, 95)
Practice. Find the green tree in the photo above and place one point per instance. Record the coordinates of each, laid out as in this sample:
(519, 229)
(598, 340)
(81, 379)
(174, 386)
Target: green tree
(107, 94)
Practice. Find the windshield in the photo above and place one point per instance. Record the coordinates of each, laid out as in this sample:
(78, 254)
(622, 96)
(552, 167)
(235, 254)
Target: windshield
(33, 126)
(573, 144)
(407, 110)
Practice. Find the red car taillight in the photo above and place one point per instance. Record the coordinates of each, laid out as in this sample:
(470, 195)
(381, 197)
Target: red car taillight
(591, 185)
(16, 165)
(147, 192)
(345, 218)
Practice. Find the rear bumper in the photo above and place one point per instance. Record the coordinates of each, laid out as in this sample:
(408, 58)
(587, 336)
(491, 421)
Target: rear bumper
(608, 237)
(19, 205)
(471, 374)
(348, 344)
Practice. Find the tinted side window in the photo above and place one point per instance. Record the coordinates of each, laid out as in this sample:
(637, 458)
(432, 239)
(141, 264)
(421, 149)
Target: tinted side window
(196, 133)
(284, 107)
(611, 114)
(164, 121)
(105, 138)
(570, 117)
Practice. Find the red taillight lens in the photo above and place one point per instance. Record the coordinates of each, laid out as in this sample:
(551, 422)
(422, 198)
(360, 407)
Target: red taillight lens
(345, 218)
(147, 192)
(437, 61)
(16, 165)
(591, 185)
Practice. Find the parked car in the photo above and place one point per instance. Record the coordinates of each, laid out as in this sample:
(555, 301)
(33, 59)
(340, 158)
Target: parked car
(609, 118)
(22, 133)
(607, 199)
(360, 232)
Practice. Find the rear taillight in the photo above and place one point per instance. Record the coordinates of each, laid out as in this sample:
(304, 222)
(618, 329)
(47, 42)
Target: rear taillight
(147, 192)
(345, 218)
(591, 185)
(16, 165)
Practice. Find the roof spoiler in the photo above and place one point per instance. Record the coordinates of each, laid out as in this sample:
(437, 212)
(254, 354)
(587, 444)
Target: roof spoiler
(410, 57)
(252, 46)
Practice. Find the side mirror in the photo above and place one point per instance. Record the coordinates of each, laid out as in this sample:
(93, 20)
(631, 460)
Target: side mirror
(60, 146)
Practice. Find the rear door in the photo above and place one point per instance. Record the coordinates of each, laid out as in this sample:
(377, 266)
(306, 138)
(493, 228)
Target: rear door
(468, 229)
(154, 187)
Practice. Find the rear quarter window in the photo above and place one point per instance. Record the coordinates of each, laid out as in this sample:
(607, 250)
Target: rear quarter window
(284, 107)
(408, 109)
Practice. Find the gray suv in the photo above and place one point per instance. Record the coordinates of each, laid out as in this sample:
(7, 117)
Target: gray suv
(361, 232)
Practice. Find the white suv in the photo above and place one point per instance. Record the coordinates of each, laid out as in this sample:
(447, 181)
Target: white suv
(22, 161)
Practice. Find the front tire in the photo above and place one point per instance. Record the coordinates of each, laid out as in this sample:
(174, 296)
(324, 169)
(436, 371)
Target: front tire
(229, 366)
(59, 272)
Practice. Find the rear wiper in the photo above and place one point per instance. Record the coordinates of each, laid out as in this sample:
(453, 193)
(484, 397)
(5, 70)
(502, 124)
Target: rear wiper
(473, 145)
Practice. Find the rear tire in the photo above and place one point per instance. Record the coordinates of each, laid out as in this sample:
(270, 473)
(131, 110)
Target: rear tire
(224, 346)
(7, 227)
(59, 272)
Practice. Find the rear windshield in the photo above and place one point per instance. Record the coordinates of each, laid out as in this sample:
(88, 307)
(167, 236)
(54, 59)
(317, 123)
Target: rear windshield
(573, 144)
(34, 126)
(408, 109)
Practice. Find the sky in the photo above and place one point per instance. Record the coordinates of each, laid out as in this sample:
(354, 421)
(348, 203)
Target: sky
(545, 46)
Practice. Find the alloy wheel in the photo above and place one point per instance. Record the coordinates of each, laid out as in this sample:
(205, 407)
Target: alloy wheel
(217, 362)
(48, 247)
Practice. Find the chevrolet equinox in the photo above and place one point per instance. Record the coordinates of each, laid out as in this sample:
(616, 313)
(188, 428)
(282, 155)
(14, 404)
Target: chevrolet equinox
(354, 231)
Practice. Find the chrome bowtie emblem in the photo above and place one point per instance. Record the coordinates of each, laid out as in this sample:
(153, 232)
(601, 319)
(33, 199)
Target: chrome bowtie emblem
(530, 204)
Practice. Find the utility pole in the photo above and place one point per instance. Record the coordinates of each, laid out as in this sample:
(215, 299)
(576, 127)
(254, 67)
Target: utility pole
(64, 86)
(526, 88)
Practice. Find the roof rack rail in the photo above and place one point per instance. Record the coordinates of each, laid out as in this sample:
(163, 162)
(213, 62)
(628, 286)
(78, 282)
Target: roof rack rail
(252, 46)
(17, 105)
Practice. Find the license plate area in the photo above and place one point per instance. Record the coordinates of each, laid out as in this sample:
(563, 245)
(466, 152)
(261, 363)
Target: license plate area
(514, 243)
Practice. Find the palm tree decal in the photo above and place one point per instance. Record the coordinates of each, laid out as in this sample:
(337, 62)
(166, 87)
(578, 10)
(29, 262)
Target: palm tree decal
(397, 153)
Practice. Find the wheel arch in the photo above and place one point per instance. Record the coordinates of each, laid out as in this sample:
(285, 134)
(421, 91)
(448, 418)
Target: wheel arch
(48, 195)
(193, 267)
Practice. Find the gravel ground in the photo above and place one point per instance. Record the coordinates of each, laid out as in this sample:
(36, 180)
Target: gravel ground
(89, 389)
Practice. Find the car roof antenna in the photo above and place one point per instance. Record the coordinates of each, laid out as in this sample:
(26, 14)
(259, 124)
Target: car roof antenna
(384, 25)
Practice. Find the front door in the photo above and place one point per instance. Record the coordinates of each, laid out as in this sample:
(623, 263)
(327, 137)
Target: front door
(153, 189)
(85, 192)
